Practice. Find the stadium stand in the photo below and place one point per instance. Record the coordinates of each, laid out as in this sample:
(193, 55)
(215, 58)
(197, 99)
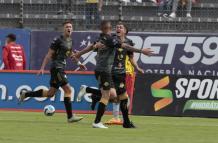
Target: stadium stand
(49, 14)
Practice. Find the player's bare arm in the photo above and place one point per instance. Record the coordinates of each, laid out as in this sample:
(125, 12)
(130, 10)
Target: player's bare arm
(84, 51)
(145, 51)
(74, 59)
(88, 49)
(46, 60)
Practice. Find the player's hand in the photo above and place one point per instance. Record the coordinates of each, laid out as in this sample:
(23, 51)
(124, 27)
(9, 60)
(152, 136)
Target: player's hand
(76, 55)
(99, 45)
(82, 67)
(141, 71)
(73, 57)
(41, 72)
(147, 51)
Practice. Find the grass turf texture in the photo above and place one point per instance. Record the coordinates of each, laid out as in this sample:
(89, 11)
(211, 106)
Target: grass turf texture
(26, 127)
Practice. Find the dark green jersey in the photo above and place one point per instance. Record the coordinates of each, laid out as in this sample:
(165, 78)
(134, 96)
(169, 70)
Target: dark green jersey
(63, 49)
(119, 66)
(105, 56)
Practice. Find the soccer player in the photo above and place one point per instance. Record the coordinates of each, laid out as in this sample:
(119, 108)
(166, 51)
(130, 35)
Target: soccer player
(130, 65)
(60, 49)
(116, 49)
(13, 54)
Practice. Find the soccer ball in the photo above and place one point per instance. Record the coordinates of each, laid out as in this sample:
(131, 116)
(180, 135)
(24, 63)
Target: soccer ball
(49, 110)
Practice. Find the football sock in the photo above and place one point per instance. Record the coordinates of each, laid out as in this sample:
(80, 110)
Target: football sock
(96, 98)
(116, 110)
(38, 93)
(68, 107)
(124, 110)
(100, 112)
(93, 91)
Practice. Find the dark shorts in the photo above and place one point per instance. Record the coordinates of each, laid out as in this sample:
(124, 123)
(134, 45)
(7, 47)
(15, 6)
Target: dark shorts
(104, 80)
(58, 78)
(119, 81)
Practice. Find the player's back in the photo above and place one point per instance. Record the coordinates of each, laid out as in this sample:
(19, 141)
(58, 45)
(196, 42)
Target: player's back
(105, 56)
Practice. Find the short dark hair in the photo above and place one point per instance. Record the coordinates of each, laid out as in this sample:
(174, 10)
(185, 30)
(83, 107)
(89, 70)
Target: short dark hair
(125, 26)
(104, 22)
(12, 37)
(67, 22)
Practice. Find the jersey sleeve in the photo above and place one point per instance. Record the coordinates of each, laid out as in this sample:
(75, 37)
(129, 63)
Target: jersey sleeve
(131, 43)
(55, 44)
(113, 41)
(129, 53)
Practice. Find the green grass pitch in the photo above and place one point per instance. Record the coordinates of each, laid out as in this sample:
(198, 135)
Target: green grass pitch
(27, 127)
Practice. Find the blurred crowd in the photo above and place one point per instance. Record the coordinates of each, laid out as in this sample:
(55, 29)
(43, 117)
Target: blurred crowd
(169, 8)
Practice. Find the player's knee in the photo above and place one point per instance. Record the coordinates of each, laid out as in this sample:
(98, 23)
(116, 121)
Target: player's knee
(48, 93)
(114, 99)
(68, 92)
(104, 100)
(123, 96)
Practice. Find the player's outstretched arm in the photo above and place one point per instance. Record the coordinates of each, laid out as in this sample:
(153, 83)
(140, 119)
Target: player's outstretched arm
(81, 66)
(46, 60)
(145, 51)
(88, 49)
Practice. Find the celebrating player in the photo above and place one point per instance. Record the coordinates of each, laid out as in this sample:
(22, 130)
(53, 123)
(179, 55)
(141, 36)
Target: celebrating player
(105, 59)
(59, 51)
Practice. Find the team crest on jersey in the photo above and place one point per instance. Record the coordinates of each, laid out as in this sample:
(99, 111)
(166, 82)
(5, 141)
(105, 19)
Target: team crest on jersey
(122, 85)
(68, 53)
(120, 57)
(120, 49)
(106, 84)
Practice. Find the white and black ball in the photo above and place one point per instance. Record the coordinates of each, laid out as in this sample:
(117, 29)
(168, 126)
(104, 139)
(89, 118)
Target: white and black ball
(49, 110)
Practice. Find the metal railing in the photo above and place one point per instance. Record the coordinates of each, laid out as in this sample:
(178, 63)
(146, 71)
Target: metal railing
(49, 14)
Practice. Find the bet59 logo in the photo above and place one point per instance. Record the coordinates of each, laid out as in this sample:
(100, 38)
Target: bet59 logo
(188, 50)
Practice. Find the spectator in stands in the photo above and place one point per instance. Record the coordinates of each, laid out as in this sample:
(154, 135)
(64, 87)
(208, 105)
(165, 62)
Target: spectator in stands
(67, 9)
(188, 4)
(13, 54)
(164, 7)
(154, 1)
(93, 11)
